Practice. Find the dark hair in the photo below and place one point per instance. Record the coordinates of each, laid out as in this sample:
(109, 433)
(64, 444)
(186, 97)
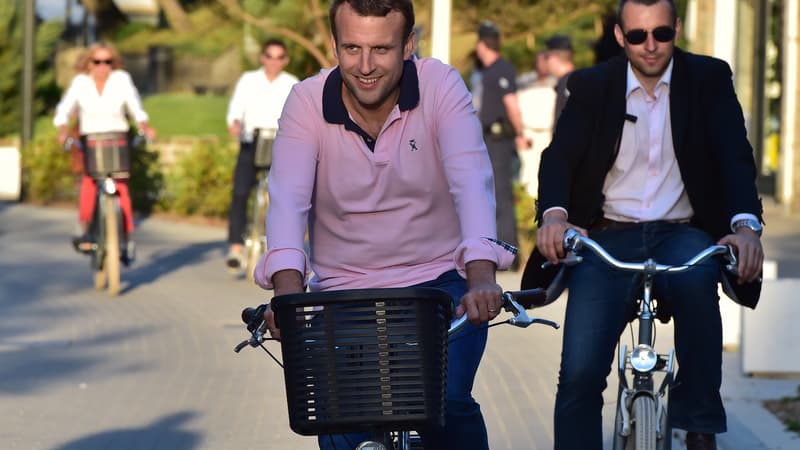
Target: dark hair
(375, 8)
(489, 34)
(646, 3)
(271, 42)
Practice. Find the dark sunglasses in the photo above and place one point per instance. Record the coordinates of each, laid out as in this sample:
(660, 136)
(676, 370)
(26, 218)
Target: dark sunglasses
(103, 61)
(268, 56)
(660, 34)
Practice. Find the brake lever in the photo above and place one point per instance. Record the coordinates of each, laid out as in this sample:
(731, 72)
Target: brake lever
(256, 326)
(732, 262)
(521, 318)
(571, 259)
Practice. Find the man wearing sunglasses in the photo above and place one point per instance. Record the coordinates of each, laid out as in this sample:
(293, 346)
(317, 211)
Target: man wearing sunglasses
(254, 109)
(650, 158)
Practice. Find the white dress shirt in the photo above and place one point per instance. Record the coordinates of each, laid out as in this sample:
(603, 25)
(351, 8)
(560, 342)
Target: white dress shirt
(101, 112)
(645, 183)
(258, 102)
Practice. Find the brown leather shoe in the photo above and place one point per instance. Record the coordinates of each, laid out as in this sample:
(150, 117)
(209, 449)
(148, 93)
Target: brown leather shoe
(700, 441)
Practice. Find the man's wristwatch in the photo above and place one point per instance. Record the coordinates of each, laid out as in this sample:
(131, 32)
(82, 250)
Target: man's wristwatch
(752, 224)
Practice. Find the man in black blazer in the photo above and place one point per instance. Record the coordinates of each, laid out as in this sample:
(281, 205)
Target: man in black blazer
(649, 158)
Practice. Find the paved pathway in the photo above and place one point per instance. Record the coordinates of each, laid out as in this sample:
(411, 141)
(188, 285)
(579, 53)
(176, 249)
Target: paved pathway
(154, 368)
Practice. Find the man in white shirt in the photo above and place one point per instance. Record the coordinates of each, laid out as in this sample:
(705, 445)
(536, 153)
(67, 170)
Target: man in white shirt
(256, 105)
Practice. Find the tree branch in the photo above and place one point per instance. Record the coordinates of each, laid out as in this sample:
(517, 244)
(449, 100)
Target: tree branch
(235, 10)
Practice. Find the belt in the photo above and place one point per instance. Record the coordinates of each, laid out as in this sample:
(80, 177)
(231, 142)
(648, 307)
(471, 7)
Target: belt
(604, 223)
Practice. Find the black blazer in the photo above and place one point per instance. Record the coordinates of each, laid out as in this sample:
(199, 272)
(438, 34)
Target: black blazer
(708, 134)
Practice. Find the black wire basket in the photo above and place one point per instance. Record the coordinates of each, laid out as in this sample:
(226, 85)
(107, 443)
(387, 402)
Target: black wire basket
(365, 359)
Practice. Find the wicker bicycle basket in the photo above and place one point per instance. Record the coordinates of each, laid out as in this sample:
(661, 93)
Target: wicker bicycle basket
(364, 360)
(262, 156)
(107, 154)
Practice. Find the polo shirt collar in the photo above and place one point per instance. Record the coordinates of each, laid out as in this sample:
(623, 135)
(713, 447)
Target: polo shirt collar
(333, 106)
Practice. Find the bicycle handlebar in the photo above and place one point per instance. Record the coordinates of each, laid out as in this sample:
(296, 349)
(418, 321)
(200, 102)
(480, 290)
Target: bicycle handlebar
(515, 302)
(574, 241)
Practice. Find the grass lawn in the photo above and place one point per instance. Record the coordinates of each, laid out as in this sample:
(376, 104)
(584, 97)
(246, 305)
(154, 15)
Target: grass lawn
(187, 114)
(171, 115)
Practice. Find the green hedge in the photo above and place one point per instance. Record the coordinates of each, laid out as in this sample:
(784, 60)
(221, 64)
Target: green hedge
(201, 181)
(199, 184)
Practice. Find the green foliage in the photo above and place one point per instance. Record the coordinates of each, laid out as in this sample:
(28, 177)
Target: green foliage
(525, 207)
(201, 181)
(47, 175)
(187, 115)
(147, 179)
(11, 62)
(212, 33)
(46, 172)
(293, 15)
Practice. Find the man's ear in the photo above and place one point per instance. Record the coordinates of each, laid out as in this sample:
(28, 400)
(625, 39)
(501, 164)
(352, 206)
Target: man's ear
(619, 36)
(678, 27)
(409, 46)
(333, 46)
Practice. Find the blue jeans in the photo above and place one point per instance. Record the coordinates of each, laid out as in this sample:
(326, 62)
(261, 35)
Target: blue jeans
(464, 426)
(602, 299)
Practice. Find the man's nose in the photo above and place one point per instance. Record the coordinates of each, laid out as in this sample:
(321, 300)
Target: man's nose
(366, 64)
(650, 43)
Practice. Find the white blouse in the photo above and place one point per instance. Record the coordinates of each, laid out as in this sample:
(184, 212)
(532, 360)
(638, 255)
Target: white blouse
(101, 113)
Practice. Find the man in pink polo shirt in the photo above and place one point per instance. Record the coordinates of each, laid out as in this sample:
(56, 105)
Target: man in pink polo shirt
(383, 159)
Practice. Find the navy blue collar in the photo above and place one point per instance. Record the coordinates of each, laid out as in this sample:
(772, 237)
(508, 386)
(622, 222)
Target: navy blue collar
(333, 106)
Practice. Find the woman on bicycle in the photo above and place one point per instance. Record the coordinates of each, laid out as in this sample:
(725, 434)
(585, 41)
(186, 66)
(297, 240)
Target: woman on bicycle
(101, 95)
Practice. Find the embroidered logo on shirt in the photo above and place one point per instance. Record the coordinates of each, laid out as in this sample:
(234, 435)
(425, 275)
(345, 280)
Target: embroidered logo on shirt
(412, 144)
(504, 83)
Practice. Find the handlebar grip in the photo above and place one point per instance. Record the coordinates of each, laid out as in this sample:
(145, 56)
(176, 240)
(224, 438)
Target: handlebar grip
(248, 314)
(254, 317)
(530, 298)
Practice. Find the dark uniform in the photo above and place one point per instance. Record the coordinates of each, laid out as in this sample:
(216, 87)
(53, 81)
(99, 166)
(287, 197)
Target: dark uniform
(498, 80)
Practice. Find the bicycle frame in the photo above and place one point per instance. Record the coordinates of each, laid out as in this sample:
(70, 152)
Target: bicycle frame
(106, 228)
(641, 409)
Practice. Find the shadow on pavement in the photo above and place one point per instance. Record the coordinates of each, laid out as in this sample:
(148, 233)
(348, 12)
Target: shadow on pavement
(31, 364)
(165, 433)
(161, 263)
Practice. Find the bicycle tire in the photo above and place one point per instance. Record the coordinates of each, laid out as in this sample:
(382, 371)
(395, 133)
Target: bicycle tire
(99, 256)
(257, 242)
(644, 423)
(112, 262)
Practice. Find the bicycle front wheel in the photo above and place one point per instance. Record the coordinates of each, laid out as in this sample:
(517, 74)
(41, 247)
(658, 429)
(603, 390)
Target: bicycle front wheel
(112, 263)
(257, 241)
(99, 255)
(644, 423)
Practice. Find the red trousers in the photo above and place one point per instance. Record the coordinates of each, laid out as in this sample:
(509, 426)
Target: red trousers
(88, 194)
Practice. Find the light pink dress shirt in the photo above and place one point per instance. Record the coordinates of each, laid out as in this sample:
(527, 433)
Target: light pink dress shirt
(645, 183)
(421, 204)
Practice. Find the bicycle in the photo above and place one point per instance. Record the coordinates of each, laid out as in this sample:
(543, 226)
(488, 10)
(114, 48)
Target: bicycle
(106, 158)
(641, 421)
(370, 360)
(255, 239)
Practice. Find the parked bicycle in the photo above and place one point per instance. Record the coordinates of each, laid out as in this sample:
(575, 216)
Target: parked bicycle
(641, 421)
(255, 239)
(370, 360)
(106, 160)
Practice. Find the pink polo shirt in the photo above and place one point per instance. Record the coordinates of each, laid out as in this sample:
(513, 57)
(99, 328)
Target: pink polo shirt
(400, 210)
